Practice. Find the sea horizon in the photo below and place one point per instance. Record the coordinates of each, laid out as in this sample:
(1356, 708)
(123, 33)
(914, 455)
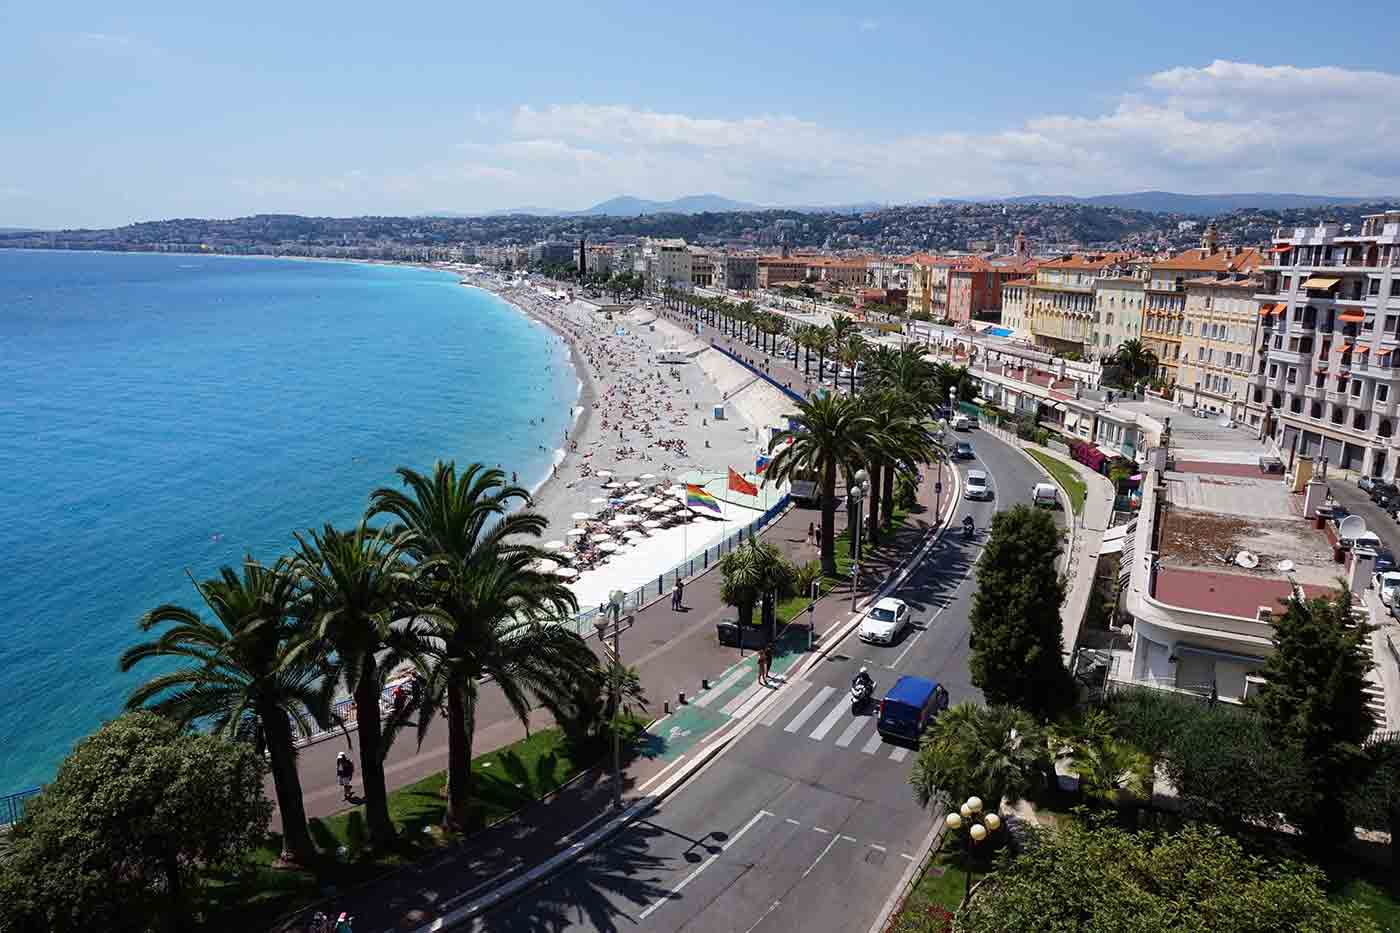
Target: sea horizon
(168, 413)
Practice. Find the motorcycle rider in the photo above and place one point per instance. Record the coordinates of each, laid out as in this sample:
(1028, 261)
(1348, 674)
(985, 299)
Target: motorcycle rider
(969, 526)
(863, 678)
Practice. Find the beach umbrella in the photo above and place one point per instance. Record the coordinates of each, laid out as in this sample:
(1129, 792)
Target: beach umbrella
(581, 516)
(635, 497)
(607, 547)
(611, 484)
(647, 476)
(598, 501)
(632, 484)
(628, 519)
(566, 572)
(576, 532)
(553, 545)
(663, 507)
(632, 535)
(651, 523)
(606, 474)
(617, 523)
(676, 490)
(565, 555)
(545, 566)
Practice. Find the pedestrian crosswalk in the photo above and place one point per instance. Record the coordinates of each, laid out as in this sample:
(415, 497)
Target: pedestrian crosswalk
(817, 712)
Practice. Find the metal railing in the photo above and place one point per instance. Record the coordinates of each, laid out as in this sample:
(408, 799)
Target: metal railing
(12, 805)
(795, 396)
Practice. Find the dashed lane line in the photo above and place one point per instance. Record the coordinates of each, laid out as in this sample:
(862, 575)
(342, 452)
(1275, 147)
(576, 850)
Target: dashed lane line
(704, 865)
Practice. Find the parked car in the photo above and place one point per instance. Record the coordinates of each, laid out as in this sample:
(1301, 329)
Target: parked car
(1384, 560)
(977, 486)
(1366, 482)
(884, 622)
(1381, 491)
(909, 706)
(962, 422)
(1386, 585)
(963, 451)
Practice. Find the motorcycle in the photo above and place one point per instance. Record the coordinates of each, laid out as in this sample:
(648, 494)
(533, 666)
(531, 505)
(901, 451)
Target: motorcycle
(861, 692)
(968, 531)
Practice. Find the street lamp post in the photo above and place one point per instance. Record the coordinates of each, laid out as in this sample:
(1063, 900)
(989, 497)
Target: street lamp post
(857, 491)
(972, 827)
(616, 599)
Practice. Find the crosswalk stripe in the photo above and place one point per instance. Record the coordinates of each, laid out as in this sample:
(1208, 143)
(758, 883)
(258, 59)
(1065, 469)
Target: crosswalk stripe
(716, 690)
(809, 709)
(899, 753)
(744, 697)
(758, 697)
(793, 694)
(831, 719)
(875, 742)
(849, 735)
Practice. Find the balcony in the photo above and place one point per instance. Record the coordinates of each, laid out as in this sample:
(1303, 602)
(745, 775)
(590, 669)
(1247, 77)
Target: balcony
(1291, 357)
(1384, 409)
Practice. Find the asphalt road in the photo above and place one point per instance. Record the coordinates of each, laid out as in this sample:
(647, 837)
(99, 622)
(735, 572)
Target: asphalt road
(807, 821)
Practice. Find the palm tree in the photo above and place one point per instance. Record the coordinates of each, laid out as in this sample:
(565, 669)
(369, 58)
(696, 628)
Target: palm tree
(852, 351)
(823, 340)
(252, 673)
(359, 583)
(996, 753)
(897, 440)
(1109, 768)
(485, 605)
(842, 326)
(949, 376)
(752, 571)
(802, 339)
(827, 432)
(1136, 358)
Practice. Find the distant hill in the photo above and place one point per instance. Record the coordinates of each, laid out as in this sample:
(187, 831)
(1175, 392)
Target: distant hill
(1168, 202)
(18, 230)
(628, 206)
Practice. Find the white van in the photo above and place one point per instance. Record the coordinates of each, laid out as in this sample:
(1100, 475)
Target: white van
(1045, 496)
(962, 422)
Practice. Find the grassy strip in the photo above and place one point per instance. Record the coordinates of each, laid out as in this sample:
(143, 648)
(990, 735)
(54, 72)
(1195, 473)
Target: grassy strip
(941, 885)
(506, 780)
(794, 606)
(1379, 902)
(1066, 476)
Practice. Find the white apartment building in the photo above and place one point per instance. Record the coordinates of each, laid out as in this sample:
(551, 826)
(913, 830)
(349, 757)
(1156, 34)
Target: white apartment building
(1015, 307)
(1327, 376)
(1219, 348)
(1118, 299)
(668, 263)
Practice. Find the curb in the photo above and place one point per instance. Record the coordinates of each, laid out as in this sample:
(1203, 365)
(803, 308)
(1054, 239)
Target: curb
(901, 892)
(717, 743)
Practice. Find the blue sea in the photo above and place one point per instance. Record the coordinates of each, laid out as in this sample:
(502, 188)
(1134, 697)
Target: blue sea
(163, 415)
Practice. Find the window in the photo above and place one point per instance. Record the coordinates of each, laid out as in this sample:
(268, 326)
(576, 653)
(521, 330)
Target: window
(1356, 386)
(1316, 410)
(1358, 421)
(1382, 391)
(1200, 353)
(1383, 427)
(1273, 370)
(1375, 287)
(1394, 287)
(1292, 375)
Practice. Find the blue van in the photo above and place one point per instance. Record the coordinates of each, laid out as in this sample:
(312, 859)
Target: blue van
(909, 706)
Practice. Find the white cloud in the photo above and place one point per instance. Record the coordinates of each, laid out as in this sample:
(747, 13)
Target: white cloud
(1222, 127)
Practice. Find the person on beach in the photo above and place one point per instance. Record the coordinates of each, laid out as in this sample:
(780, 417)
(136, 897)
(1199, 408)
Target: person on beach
(344, 773)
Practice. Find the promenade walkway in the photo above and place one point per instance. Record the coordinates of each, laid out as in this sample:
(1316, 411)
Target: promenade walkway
(672, 651)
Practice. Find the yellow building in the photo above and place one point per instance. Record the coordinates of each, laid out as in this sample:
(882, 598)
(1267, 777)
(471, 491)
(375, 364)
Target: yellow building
(1219, 346)
(1060, 302)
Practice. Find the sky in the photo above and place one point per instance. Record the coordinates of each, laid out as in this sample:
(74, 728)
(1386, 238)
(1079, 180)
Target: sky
(112, 113)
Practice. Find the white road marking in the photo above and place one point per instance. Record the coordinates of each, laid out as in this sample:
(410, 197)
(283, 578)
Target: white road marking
(899, 753)
(744, 697)
(849, 735)
(831, 719)
(875, 742)
(877, 848)
(705, 864)
(824, 832)
(758, 697)
(820, 857)
(810, 708)
(771, 717)
(712, 694)
(906, 855)
(658, 775)
(793, 822)
(764, 917)
(907, 648)
(850, 839)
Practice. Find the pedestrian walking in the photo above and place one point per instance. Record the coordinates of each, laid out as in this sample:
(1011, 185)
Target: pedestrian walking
(819, 536)
(343, 924)
(344, 773)
(678, 594)
(811, 531)
(765, 661)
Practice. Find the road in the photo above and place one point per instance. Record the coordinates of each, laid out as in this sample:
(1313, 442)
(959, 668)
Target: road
(807, 821)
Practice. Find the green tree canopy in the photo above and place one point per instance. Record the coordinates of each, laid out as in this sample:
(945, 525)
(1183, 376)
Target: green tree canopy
(1016, 635)
(1093, 878)
(970, 750)
(1313, 695)
(111, 844)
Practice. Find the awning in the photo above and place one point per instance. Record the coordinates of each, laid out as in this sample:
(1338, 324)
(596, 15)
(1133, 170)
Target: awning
(1279, 309)
(1058, 406)
(1281, 249)
(1072, 420)
(1111, 547)
(1322, 283)
(1384, 351)
(1108, 451)
(1346, 345)
(1321, 369)
(1363, 349)
(1352, 315)
(1222, 655)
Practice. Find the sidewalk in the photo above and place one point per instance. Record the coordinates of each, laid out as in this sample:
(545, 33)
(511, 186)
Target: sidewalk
(1085, 535)
(672, 651)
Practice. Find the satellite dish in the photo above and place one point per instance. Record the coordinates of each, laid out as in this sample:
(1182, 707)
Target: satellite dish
(1246, 560)
(1285, 566)
(1352, 527)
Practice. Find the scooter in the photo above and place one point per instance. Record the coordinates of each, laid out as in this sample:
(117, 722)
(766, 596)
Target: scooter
(968, 531)
(861, 693)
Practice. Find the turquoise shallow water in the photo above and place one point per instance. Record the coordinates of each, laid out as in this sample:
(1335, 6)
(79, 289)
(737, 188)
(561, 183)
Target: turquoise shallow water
(163, 413)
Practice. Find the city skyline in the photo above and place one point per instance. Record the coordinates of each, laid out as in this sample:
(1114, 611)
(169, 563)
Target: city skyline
(158, 114)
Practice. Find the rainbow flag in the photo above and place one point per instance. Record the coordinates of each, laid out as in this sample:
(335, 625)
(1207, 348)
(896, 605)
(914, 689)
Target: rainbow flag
(697, 498)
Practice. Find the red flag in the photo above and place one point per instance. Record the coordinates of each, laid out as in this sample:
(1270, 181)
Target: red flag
(738, 484)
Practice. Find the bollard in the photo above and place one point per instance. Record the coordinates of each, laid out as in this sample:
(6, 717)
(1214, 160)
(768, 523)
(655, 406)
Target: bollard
(704, 683)
(680, 698)
(666, 708)
(660, 587)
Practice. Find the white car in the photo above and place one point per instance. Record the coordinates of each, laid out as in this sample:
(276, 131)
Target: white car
(977, 486)
(1387, 584)
(885, 620)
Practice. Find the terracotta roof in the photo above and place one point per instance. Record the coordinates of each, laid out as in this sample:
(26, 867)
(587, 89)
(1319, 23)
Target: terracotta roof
(1221, 260)
(1088, 261)
(1231, 594)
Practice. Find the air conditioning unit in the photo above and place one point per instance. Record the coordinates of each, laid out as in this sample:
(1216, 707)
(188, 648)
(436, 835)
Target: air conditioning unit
(1264, 614)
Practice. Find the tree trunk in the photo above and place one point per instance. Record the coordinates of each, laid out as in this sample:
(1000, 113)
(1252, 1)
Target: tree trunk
(887, 497)
(852, 374)
(381, 828)
(459, 760)
(297, 847)
(877, 472)
(745, 615)
(175, 886)
(806, 361)
(829, 520)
